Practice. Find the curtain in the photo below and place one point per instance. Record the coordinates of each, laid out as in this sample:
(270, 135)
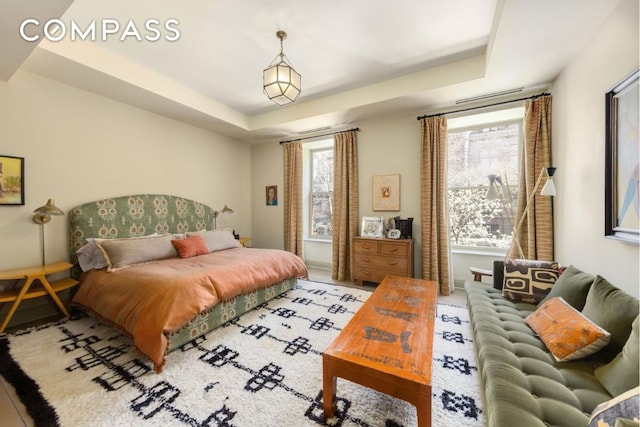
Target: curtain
(293, 197)
(435, 216)
(535, 235)
(345, 202)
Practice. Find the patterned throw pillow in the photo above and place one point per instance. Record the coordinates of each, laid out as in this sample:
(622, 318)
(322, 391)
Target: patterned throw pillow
(566, 332)
(621, 410)
(529, 280)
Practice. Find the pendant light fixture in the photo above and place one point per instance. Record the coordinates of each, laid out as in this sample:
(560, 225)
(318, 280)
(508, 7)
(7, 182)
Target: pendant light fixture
(281, 83)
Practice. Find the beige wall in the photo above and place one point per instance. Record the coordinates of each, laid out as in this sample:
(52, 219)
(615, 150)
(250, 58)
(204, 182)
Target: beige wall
(578, 151)
(267, 222)
(80, 147)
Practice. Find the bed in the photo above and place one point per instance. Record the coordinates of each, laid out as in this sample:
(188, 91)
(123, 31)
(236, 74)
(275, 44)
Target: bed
(150, 266)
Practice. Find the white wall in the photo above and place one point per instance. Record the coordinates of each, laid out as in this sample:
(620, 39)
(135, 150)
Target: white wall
(80, 147)
(578, 151)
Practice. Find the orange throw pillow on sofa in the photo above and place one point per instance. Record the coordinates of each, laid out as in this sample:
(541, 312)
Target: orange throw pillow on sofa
(566, 332)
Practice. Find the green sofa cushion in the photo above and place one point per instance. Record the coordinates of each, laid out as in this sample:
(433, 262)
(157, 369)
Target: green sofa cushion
(622, 373)
(614, 310)
(573, 286)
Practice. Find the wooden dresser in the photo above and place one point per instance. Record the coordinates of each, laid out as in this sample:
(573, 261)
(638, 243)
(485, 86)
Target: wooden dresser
(373, 259)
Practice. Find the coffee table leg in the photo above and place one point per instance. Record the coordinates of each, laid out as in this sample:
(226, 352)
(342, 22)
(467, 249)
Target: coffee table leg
(328, 389)
(423, 409)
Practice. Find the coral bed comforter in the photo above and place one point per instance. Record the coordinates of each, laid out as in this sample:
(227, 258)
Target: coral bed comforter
(149, 301)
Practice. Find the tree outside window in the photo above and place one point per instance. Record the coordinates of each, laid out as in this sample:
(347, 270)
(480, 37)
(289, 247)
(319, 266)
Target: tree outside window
(321, 193)
(476, 220)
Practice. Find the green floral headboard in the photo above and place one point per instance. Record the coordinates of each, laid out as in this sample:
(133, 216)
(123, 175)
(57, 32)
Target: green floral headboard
(137, 215)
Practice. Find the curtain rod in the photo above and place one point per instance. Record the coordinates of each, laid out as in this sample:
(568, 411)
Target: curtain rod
(321, 135)
(483, 106)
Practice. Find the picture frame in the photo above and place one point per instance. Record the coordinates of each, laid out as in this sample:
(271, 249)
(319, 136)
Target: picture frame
(622, 168)
(386, 192)
(394, 233)
(11, 181)
(271, 195)
(372, 226)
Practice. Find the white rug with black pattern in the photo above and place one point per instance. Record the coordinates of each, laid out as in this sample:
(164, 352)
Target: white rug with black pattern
(262, 369)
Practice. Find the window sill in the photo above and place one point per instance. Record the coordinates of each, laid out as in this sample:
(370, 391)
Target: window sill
(310, 239)
(480, 252)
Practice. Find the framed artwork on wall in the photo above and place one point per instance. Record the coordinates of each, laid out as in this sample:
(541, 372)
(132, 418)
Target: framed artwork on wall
(386, 192)
(622, 166)
(11, 180)
(372, 226)
(271, 195)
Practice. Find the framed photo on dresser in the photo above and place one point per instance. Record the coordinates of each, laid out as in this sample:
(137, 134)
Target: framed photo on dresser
(372, 226)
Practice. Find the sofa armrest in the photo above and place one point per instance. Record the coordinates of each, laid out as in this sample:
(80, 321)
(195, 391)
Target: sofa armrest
(498, 274)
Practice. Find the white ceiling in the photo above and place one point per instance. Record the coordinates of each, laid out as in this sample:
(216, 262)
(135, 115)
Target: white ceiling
(358, 58)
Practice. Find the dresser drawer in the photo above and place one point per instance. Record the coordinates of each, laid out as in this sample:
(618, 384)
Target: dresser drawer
(365, 247)
(376, 274)
(381, 261)
(393, 249)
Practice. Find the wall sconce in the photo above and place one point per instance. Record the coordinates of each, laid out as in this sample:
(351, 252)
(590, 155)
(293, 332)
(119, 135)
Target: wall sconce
(223, 211)
(42, 216)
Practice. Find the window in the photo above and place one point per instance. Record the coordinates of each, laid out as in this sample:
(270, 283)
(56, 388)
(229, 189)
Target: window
(321, 209)
(477, 218)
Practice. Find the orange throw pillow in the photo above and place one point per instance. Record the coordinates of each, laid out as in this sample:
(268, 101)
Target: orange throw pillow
(190, 247)
(566, 332)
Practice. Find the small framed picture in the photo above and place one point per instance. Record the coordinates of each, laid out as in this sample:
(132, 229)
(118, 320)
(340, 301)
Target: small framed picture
(11, 180)
(271, 194)
(394, 234)
(372, 226)
(386, 192)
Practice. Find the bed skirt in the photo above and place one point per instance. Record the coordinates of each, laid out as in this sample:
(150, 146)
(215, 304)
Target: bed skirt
(226, 311)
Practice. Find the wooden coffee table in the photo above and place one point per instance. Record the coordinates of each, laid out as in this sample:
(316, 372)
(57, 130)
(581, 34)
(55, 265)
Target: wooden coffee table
(387, 345)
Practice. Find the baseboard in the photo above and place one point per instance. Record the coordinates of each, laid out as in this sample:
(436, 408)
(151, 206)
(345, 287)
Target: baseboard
(318, 264)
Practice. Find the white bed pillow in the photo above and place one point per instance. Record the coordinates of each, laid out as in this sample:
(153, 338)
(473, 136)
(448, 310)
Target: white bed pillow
(122, 253)
(90, 257)
(217, 240)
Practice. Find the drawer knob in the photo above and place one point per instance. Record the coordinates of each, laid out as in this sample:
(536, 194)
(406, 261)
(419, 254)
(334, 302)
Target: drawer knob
(365, 259)
(394, 249)
(366, 273)
(393, 262)
(365, 247)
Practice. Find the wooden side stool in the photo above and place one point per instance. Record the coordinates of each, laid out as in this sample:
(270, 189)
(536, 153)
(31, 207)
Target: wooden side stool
(479, 272)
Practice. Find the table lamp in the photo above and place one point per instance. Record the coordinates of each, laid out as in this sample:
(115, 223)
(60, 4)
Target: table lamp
(42, 216)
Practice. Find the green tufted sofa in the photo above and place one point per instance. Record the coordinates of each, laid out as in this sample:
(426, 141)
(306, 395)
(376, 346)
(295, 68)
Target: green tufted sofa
(523, 385)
